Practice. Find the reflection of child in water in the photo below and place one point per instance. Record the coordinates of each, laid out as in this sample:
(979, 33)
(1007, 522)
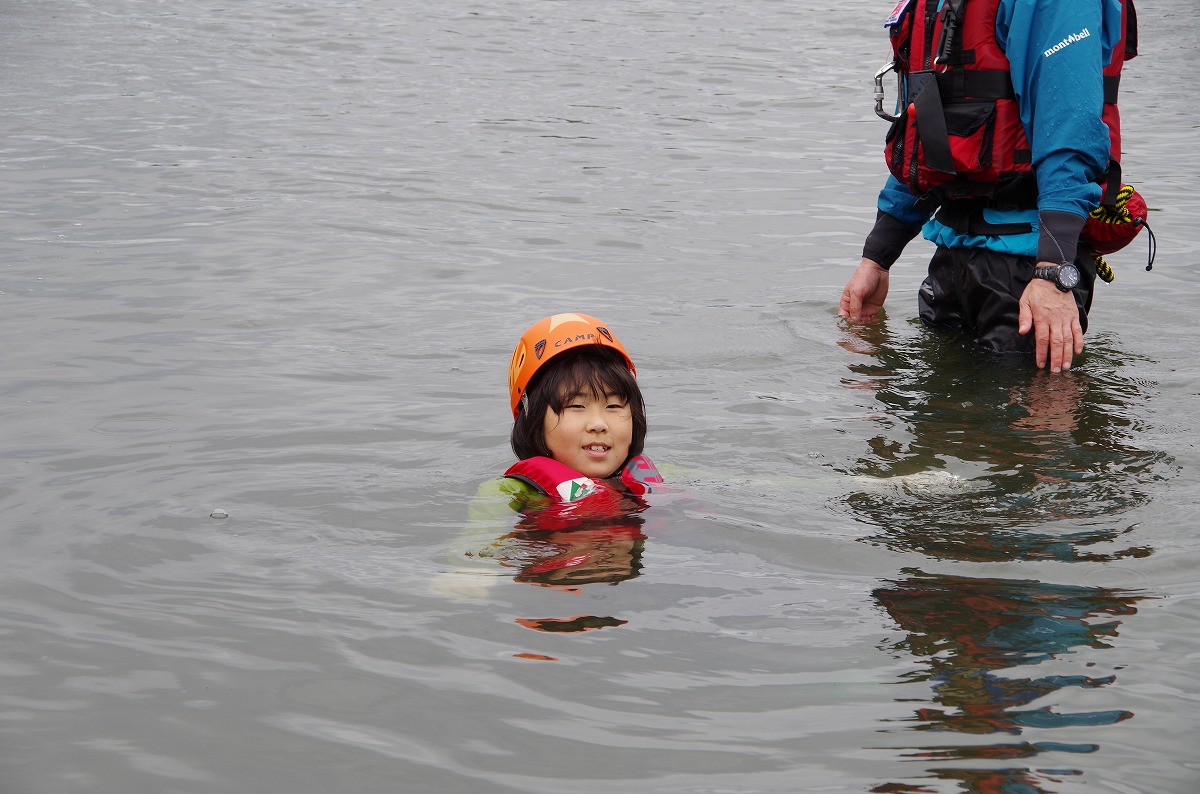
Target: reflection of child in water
(595, 551)
(579, 430)
(604, 552)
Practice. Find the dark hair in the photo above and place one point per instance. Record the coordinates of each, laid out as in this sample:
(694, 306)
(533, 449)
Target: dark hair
(586, 369)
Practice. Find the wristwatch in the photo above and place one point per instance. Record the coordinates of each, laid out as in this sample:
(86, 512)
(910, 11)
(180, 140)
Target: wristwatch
(1064, 276)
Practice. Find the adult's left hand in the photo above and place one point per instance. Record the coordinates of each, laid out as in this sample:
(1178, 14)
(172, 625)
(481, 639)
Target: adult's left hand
(1054, 319)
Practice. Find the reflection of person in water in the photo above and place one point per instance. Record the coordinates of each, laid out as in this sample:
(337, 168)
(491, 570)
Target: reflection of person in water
(565, 557)
(608, 554)
(591, 552)
(546, 547)
(979, 638)
(596, 552)
(984, 458)
(976, 461)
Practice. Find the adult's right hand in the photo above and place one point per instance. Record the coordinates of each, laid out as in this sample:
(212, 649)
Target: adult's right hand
(865, 293)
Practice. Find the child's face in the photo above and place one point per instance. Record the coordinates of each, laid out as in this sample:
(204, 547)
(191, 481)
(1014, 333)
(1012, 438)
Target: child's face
(592, 434)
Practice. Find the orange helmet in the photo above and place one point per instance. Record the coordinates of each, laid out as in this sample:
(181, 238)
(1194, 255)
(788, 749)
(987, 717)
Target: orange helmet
(546, 339)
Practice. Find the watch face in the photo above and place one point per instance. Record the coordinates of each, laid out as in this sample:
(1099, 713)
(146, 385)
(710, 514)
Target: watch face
(1068, 277)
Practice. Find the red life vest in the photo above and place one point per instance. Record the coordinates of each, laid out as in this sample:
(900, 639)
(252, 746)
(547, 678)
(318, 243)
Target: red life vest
(564, 485)
(959, 132)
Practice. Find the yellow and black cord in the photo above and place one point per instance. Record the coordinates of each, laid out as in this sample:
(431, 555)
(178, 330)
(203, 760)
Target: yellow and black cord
(1118, 212)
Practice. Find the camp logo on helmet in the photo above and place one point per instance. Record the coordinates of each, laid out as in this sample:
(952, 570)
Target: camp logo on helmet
(576, 340)
(607, 334)
(538, 349)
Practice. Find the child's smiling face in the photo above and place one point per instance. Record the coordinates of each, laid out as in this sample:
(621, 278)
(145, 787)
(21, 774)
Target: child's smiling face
(592, 434)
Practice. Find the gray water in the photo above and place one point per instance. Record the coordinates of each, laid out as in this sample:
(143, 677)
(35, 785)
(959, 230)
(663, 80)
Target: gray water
(263, 267)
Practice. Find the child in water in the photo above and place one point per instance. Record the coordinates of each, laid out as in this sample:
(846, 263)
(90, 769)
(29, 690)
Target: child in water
(579, 419)
(579, 428)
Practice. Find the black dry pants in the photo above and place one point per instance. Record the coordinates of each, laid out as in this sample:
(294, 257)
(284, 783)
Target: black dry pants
(979, 290)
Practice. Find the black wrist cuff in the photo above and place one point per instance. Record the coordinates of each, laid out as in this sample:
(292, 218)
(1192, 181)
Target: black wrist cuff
(1058, 237)
(887, 239)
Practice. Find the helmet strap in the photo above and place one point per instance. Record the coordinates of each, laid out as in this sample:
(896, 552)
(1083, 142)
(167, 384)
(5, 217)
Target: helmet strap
(525, 402)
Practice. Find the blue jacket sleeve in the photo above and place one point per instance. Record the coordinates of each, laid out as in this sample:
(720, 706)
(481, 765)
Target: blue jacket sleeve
(1056, 52)
(898, 220)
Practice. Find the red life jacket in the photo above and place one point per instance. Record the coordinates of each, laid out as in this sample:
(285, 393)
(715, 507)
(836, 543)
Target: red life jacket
(959, 132)
(565, 485)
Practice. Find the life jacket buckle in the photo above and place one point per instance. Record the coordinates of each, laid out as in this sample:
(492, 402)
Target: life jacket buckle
(952, 18)
(879, 95)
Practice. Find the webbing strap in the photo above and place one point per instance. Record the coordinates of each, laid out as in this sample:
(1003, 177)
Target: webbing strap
(976, 84)
(1112, 184)
(966, 217)
(926, 98)
(1112, 82)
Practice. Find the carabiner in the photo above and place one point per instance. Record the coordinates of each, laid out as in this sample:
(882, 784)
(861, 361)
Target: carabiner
(887, 67)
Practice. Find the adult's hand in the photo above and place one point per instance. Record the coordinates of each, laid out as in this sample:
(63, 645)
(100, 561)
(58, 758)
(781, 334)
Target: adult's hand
(1054, 319)
(865, 293)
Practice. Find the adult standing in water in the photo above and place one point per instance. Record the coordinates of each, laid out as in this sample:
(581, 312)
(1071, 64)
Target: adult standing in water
(1006, 137)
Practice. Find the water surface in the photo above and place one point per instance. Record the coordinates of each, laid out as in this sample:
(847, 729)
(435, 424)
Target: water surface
(267, 261)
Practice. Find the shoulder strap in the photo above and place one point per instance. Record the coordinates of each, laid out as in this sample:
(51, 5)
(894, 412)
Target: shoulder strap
(552, 478)
(638, 474)
(952, 19)
(1131, 30)
(559, 481)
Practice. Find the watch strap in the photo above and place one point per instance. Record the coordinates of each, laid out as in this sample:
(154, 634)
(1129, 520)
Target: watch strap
(1047, 272)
